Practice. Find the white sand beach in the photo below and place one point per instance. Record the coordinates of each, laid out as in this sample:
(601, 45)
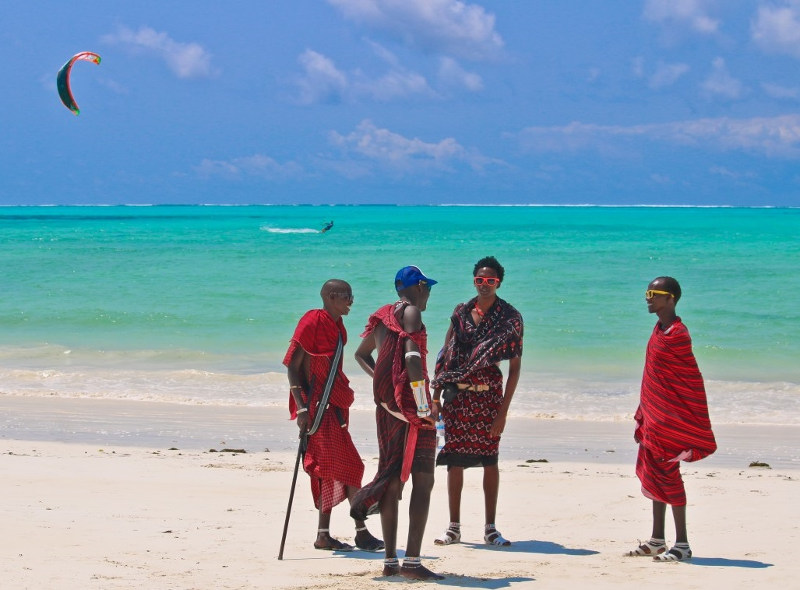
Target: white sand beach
(83, 515)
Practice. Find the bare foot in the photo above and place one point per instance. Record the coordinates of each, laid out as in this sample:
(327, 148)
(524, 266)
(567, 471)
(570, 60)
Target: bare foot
(391, 570)
(418, 572)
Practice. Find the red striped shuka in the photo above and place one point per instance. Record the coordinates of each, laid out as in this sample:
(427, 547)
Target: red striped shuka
(672, 423)
(406, 443)
(331, 459)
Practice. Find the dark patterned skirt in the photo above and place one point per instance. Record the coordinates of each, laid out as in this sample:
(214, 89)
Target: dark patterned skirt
(467, 421)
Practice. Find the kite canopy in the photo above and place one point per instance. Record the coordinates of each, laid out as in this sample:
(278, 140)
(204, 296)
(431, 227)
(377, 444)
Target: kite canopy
(62, 80)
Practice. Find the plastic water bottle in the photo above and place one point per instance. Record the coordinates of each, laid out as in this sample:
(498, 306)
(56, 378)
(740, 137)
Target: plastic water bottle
(439, 434)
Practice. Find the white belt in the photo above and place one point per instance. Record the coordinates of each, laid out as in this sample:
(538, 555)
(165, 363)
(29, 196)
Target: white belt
(397, 415)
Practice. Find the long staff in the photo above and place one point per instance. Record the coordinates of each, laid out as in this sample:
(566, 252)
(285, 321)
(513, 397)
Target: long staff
(301, 449)
(326, 392)
(300, 453)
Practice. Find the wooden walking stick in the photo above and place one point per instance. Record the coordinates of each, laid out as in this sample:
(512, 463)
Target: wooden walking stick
(301, 449)
(300, 453)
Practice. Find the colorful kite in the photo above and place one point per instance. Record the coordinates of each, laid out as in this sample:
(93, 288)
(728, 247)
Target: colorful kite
(62, 80)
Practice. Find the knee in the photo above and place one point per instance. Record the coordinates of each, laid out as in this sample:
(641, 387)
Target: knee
(423, 482)
(394, 487)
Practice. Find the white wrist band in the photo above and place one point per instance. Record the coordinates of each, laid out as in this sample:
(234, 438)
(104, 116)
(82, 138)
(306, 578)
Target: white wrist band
(420, 397)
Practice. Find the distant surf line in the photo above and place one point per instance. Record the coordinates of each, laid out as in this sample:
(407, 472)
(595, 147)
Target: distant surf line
(289, 230)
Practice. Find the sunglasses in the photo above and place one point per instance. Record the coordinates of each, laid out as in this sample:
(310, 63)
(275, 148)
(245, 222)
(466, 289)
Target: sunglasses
(650, 293)
(491, 281)
(345, 296)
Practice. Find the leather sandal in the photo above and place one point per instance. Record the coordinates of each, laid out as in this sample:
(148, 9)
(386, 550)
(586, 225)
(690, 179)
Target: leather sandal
(649, 548)
(493, 537)
(451, 536)
(678, 552)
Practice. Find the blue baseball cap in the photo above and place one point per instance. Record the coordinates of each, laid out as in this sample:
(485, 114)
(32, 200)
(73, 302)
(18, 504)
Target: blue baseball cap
(408, 276)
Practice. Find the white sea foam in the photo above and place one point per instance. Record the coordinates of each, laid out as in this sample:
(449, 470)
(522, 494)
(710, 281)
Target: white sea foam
(289, 230)
(730, 402)
(183, 304)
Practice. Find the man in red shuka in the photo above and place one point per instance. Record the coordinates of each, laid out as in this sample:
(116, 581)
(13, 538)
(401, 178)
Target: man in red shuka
(331, 459)
(672, 423)
(406, 431)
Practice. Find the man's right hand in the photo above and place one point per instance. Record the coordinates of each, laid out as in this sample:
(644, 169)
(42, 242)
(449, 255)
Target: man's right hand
(428, 422)
(303, 422)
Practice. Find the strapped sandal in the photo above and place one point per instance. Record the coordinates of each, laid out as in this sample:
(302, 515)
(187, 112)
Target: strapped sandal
(649, 548)
(493, 537)
(369, 542)
(333, 544)
(678, 552)
(451, 536)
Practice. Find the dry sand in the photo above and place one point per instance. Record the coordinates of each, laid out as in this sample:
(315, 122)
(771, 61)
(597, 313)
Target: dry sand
(86, 515)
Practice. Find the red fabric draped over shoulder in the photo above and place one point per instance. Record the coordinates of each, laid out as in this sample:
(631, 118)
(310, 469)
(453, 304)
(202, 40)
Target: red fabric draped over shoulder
(673, 411)
(317, 334)
(331, 459)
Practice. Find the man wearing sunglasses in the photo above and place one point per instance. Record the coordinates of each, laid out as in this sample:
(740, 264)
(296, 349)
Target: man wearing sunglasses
(406, 428)
(672, 423)
(483, 332)
(330, 459)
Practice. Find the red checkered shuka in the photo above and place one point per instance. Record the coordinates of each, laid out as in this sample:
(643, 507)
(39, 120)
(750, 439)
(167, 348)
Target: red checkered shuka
(331, 459)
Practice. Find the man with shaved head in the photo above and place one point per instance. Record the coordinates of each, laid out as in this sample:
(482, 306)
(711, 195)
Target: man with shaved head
(331, 459)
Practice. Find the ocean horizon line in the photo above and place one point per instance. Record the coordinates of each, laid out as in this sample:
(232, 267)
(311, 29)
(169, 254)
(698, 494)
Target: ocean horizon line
(432, 205)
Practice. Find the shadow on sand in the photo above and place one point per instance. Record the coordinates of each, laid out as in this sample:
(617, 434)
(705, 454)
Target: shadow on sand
(543, 547)
(723, 562)
(465, 581)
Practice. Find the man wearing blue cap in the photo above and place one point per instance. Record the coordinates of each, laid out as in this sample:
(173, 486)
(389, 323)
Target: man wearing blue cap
(406, 428)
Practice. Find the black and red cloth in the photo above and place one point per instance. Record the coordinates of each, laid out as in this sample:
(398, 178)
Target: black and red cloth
(406, 442)
(471, 356)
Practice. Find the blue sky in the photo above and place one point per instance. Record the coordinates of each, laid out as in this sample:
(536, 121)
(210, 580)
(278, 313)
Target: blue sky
(690, 102)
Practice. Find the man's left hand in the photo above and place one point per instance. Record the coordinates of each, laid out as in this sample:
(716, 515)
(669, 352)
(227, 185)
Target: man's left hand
(498, 426)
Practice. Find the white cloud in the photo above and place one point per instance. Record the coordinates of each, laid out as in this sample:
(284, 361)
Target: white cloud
(394, 84)
(776, 28)
(732, 174)
(323, 82)
(452, 75)
(186, 60)
(693, 13)
(442, 26)
(383, 53)
(720, 83)
(769, 136)
(780, 92)
(667, 74)
(257, 165)
(394, 152)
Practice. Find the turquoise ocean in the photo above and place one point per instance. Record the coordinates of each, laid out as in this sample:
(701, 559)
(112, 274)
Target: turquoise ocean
(196, 304)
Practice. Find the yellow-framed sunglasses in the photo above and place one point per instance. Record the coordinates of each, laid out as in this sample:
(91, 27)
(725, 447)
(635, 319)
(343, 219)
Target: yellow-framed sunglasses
(650, 293)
